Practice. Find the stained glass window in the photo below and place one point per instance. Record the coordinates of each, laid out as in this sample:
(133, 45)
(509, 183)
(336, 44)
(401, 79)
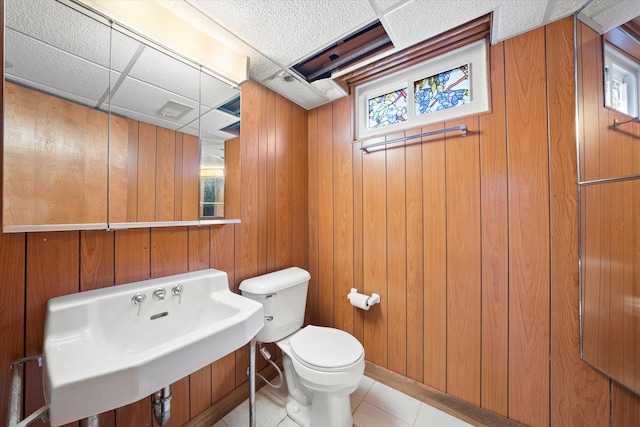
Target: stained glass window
(387, 109)
(447, 89)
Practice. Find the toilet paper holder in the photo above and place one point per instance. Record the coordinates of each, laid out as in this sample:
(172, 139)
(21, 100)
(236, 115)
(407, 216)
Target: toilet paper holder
(361, 300)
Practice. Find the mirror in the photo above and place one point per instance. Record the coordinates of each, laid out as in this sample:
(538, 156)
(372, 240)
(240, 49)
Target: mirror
(126, 114)
(609, 211)
(55, 121)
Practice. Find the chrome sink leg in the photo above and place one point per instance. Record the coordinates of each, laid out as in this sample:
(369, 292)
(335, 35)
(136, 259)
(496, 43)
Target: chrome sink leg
(252, 383)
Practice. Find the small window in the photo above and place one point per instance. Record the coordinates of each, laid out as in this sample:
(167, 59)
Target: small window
(451, 85)
(620, 81)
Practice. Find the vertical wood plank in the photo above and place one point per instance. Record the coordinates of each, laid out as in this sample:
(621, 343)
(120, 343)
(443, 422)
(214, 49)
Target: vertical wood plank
(342, 214)
(415, 257)
(375, 255)
(232, 170)
(246, 246)
(528, 229)
(97, 270)
(52, 269)
(133, 263)
(146, 172)
(269, 219)
(180, 404)
(133, 152)
(283, 197)
(435, 260)
(299, 181)
(165, 174)
(199, 257)
(325, 219)
(495, 241)
(311, 315)
(133, 255)
(221, 258)
(223, 377)
(358, 249)
(119, 195)
(12, 308)
(178, 175)
(578, 394)
(97, 259)
(262, 201)
(462, 177)
(396, 257)
(625, 407)
(169, 251)
(190, 174)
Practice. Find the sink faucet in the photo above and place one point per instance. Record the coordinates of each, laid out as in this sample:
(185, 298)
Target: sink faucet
(159, 293)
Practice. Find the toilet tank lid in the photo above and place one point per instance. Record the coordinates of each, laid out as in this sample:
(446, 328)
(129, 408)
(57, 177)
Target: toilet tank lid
(276, 281)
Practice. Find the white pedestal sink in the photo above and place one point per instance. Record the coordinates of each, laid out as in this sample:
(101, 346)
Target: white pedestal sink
(102, 351)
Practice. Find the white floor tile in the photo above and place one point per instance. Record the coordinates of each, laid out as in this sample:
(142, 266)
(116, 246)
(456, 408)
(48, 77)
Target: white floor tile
(429, 416)
(281, 393)
(393, 402)
(368, 415)
(269, 412)
(358, 395)
(288, 422)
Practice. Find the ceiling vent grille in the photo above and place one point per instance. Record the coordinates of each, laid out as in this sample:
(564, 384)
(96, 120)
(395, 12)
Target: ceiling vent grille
(174, 109)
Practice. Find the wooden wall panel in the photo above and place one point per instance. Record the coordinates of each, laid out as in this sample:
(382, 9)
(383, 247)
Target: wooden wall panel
(52, 269)
(435, 260)
(299, 181)
(147, 150)
(374, 243)
(199, 250)
(55, 170)
(358, 255)
(325, 217)
(283, 202)
(528, 171)
(268, 221)
(311, 314)
(97, 259)
(190, 177)
(123, 183)
(495, 243)
(165, 174)
(12, 310)
(462, 177)
(572, 381)
(397, 256)
(232, 188)
(342, 214)
(415, 256)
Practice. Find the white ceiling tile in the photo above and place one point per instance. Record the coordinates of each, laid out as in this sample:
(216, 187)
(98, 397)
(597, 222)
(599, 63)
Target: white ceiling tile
(289, 30)
(517, 17)
(562, 8)
(385, 5)
(417, 20)
(608, 14)
(216, 92)
(213, 121)
(61, 27)
(34, 61)
(296, 91)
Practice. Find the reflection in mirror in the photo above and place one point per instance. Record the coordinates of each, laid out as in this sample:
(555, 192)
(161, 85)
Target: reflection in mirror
(155, 100)
(609, 211)
(55, 131)
(219, 150)
(102, 127)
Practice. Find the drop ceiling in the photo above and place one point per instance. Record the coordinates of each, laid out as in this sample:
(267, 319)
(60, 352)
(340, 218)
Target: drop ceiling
(277, 34)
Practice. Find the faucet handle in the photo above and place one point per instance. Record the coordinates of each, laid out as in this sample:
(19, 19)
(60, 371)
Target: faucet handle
(176, 291)
(138, 299)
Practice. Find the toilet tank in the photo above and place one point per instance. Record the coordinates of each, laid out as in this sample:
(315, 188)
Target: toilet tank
(283, 294)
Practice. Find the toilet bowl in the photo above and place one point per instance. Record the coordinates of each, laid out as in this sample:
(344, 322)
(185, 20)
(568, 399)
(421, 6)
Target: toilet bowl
(322, 366)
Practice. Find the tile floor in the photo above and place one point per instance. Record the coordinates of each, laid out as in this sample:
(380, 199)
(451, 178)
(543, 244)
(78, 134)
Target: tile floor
(373, 405)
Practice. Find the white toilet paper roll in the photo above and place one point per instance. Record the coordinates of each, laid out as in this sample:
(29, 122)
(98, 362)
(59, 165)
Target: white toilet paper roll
(359, 300)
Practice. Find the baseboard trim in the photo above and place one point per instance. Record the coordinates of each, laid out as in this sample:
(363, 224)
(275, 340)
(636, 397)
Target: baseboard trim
(465, 411)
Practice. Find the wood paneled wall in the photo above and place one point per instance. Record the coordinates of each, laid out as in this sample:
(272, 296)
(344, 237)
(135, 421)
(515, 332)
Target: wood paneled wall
(37, 266)
(471, 243)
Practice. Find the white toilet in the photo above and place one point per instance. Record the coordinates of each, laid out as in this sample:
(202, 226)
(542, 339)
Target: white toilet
(322, 366)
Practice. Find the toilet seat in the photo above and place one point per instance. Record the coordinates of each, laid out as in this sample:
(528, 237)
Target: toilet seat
(325, 349)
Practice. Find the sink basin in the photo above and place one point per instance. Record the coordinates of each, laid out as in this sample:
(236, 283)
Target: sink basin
(101, 351)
